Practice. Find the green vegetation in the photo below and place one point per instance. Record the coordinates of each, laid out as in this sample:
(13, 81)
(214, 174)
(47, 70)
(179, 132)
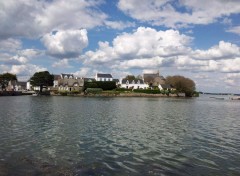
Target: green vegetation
(93, 90)
(104, 85)
(147, 91)
(182, 85)
(42, 79)
(5, 78)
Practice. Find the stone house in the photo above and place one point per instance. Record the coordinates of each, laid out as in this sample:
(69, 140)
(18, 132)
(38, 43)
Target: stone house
(67, 82)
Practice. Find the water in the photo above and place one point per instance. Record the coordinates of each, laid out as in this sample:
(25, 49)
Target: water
(119, 136)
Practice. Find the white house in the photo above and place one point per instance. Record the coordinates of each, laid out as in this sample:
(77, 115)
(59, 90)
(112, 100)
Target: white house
(103, 77)
(134, 84)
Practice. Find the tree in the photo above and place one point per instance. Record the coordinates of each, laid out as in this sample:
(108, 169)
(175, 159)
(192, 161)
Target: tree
(42, 79)
(130, 78)
(182, 84)
(5, 78)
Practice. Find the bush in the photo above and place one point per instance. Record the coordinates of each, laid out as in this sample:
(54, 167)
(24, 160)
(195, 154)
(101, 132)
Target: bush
(93, 90)
(122, 89)
(147, 91)
(104, 85)
(63, 93)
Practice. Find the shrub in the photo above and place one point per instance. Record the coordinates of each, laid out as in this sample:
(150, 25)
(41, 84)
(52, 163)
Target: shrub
(104, 85)
(147, 91)
(93, 90)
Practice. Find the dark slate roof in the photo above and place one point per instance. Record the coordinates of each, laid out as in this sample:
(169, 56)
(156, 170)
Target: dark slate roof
(116, 80)
(101, 75)
(166, 86)
(68, 75)
(56, 77)
(21, 83)
(124, 81)
(89, 79)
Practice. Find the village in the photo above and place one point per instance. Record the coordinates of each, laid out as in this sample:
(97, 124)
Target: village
(71, 84)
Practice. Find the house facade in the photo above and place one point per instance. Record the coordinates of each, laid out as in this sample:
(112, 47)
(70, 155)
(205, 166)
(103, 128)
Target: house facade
(67, 82)
(133, 84)
(103, 77)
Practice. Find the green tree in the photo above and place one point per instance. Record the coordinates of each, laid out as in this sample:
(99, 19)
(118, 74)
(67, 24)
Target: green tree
(130, 78)
(182, 84)
(5, 78)
(42, 79)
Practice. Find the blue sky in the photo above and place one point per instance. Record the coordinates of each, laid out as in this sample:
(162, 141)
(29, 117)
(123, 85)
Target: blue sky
(196, 39)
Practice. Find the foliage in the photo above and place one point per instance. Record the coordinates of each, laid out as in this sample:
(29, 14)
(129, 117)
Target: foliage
(93, 90)
(42, 79)
(182, 84)
(122, 89)
(147, 91)
(5, 78)
(130, 78)
(105, 85)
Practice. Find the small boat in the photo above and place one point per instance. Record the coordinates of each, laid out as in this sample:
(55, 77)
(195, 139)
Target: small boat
(218, 98)
(34, 94)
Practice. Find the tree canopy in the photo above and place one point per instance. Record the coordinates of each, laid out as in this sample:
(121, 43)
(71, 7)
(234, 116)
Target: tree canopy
(5, 78)
(42, 79)
(130, 77)
(182, 84)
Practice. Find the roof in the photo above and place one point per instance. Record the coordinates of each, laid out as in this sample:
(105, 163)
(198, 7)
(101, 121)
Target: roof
(63, 75)
(21, 83)
(149, 77)
(89, 79)
(135, 81)
(56, 77)
(116, 80)
(166, 86)
(101, 75)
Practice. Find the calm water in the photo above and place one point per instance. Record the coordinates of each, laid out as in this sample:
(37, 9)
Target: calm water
(119, 136)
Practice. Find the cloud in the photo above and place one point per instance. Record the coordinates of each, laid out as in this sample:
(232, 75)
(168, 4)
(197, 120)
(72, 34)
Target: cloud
(120, 25)
(235, 30)
(10, 45)
(32, 19)
(30, 53)
(61, 64)
(224, 50)
(139, 48)
(65, 43)
(170, 14)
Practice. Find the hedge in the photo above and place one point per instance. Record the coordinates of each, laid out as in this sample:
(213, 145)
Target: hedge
(93, 90)
(147, 91)
(104, 85)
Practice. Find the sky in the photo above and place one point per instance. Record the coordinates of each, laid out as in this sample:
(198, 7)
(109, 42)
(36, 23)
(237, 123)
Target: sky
(196, 39)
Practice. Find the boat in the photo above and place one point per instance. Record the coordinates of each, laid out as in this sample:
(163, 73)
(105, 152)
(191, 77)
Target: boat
(34, 94)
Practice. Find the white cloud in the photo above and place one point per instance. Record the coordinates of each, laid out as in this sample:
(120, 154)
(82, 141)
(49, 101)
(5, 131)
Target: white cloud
(142, 48)
(167, 13)
(30, 53)
(10, 45)
(235, 30)
(119, 24)
(13, 60)
(34, 18)
(61, 64)
(24, 71)
(224, 50)
(65, 44)
(83, 72)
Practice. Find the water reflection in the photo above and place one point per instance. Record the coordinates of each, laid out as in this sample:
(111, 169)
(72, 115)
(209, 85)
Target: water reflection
(118, 136)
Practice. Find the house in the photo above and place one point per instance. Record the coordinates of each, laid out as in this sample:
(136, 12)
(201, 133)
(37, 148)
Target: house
(133, 84)
(165, 87)
(55, 80)
(15, 85)
(68, 82)
(153, 79)
(103, 77)
(89, 79)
